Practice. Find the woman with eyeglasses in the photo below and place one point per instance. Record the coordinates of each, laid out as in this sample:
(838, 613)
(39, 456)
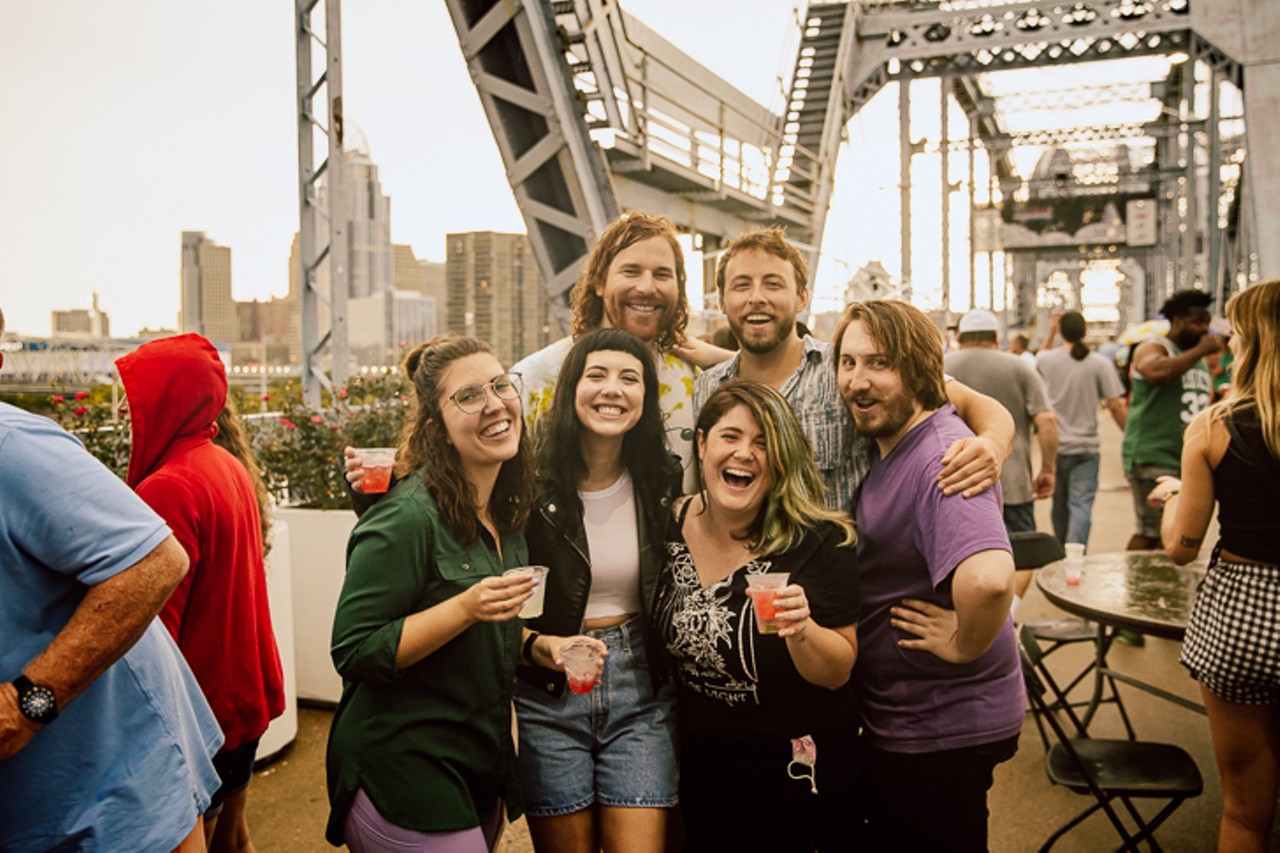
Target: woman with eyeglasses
(425, 636)
(768, 716)
(598, 770)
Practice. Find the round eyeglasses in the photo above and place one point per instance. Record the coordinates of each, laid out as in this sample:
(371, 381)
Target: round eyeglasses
(470, 399)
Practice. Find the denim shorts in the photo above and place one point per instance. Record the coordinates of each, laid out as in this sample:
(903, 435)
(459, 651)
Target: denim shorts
(614, 746)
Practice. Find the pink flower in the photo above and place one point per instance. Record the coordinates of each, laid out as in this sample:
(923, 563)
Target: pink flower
(80, 410)
(266, 398)
(288, 424)
(57, 398)
(80, 395)
(316, 419)
(342, 393)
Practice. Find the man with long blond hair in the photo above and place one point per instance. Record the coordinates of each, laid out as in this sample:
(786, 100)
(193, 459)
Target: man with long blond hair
(633, 280)
(938, 676)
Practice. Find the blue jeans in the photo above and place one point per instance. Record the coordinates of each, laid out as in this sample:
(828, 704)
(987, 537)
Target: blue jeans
(1074, 489)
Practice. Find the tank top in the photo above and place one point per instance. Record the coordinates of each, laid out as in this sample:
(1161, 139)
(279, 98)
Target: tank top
(1158, 414)
(1247, 485)
(609, 519)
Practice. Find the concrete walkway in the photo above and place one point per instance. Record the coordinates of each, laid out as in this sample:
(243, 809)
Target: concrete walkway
(288, 806)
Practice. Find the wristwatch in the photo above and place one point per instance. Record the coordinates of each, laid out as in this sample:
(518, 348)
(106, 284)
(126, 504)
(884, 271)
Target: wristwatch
(36, 702)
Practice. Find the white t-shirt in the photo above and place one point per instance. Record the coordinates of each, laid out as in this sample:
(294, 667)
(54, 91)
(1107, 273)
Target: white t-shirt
(609, 518)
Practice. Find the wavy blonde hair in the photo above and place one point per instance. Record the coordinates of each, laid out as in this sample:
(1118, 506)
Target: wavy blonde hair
(795, 503)
(1255, 383)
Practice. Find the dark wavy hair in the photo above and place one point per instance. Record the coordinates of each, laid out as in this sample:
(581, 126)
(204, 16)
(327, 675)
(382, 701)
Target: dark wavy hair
(1182, 303)
(627, 230)
(425, 445)
(561, 467)
(772, 240)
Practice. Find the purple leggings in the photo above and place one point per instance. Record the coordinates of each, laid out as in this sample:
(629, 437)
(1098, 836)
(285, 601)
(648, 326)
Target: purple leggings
(367, 831)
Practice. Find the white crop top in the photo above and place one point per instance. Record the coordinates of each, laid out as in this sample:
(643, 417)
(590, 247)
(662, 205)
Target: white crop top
(609, 517)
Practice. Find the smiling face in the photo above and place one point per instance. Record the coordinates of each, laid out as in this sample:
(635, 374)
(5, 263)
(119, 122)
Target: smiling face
(872, 388)
(488, 438)
(734, 461)
(640, 291)
(761, 299)
(610, 395)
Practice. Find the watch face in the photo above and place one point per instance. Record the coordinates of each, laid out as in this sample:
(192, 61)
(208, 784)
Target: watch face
(38, 703)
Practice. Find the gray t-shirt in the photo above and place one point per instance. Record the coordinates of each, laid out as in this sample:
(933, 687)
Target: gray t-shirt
(1018, 388)
(1076, 388)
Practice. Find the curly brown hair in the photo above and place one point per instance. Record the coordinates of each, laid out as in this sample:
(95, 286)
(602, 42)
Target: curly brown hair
(231, 437)
(627, 230)
(425, 446)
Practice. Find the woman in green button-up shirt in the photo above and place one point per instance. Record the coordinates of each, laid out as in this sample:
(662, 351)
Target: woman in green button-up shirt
(425, 636)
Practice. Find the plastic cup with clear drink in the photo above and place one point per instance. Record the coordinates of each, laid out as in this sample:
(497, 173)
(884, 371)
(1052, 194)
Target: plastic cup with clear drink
(532, 608)
(1073, 569)
(581, 661)
(376, 462)
(764, 589)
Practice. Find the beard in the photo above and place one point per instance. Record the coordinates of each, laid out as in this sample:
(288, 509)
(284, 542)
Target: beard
(762, 340)
(893, 414)
(1186, 339)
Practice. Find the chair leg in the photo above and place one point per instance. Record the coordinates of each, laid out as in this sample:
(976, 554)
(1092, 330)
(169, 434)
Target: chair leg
(1146, 829)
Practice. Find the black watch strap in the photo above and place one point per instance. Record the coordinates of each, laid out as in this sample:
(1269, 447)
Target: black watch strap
(36, 702)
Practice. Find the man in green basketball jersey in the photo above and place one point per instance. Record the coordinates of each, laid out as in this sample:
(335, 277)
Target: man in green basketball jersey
(1170, 383)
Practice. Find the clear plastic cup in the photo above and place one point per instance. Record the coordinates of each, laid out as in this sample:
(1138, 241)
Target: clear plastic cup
(763, 589)
(532, 608)
(1073, 569)
(376, 462)
(581, 661)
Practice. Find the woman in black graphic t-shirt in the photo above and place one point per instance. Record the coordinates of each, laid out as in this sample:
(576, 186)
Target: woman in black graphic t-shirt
(757, 709)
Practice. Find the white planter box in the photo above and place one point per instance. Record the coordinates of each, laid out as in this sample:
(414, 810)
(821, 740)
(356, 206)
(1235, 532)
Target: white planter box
(283, 729)
(318, 559)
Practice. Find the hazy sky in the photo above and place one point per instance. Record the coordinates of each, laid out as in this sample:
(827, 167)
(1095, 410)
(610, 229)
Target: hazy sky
(129, 121)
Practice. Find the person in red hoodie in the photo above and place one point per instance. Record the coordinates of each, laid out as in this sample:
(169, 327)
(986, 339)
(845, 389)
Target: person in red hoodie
(174, 389)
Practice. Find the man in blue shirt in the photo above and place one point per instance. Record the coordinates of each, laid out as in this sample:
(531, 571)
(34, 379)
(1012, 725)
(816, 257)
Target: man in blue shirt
(105, 738)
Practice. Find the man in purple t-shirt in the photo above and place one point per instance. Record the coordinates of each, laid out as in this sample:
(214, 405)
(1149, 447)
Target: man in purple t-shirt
(938, 670)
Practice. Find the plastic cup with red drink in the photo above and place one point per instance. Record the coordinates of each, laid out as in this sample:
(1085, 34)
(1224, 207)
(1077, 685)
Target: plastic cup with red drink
(376, 462)
(581, 664)
(764, 590)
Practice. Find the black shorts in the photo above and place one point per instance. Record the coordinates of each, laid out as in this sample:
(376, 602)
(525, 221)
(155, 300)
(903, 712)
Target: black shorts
(235, 771)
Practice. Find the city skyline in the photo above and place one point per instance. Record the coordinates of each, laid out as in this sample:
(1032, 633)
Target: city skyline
(134, 121)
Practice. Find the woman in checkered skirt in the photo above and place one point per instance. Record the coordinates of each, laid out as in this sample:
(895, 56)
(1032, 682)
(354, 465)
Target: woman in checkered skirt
(1231, 454)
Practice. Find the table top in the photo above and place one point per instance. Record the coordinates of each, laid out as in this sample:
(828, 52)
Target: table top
(1140, 591)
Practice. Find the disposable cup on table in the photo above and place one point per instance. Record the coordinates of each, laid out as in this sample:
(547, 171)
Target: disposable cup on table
(581, 661)
(764, 589)
(532, 608)
(376, 462)
(1073, 568)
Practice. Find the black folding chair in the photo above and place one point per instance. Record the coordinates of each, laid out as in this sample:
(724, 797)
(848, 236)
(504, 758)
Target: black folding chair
(1034, 550)
(1107, 770)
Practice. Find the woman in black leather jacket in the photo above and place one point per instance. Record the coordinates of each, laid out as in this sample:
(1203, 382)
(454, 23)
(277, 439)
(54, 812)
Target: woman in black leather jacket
(599, 769)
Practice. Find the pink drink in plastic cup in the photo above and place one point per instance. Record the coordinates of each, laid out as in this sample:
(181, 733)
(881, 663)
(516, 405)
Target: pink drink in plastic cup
(764, 589)
(580, 663)
(376, 462)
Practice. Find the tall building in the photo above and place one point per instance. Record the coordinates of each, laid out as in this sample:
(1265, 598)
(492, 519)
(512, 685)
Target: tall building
(495, 292)
(425, 277)
(207, 306)
(370, 269)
